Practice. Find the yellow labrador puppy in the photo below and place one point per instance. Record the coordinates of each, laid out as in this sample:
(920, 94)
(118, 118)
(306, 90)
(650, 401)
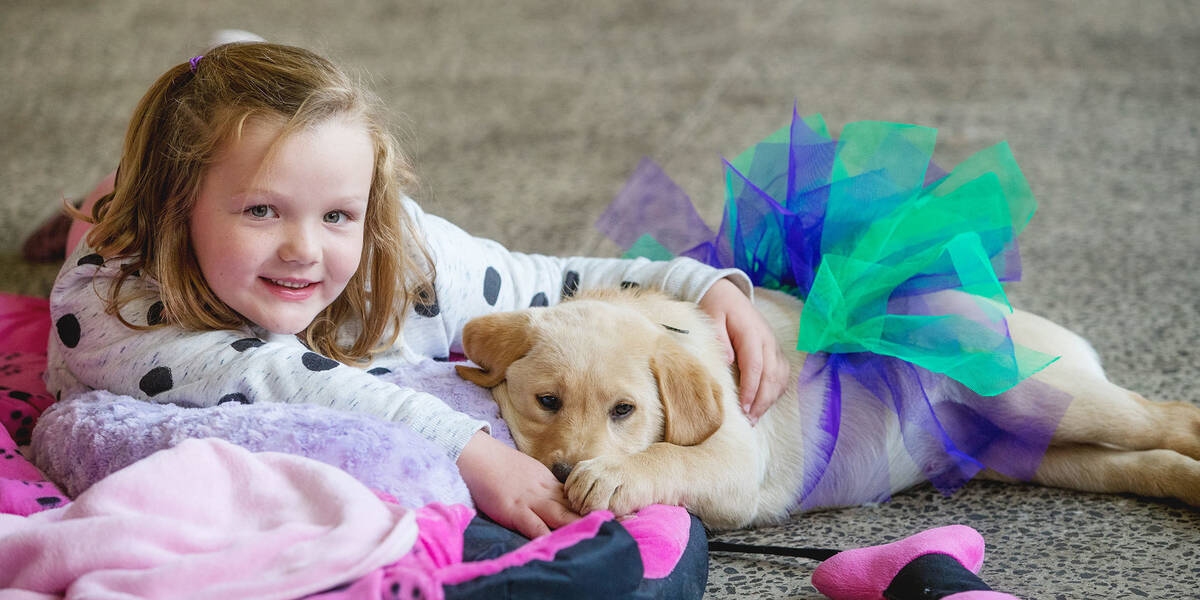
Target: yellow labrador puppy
(624, 395)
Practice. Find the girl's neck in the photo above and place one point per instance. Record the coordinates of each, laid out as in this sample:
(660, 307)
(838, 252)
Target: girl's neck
(283, 338)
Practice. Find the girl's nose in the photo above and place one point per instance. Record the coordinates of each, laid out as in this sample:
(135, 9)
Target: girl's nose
(300, 245)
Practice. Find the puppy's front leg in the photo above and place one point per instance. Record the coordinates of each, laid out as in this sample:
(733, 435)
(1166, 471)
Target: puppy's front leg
(700, 478)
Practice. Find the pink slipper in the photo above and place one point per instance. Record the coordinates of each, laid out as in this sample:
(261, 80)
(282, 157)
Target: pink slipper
(864, 573)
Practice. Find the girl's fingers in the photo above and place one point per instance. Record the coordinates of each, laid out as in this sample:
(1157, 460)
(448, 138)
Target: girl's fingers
(530, 524)
(750, 365)
(722, 329)
(555, 515)
(775, 376)
(768, 390)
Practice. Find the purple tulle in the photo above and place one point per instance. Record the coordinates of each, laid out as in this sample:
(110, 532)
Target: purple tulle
(949, 431)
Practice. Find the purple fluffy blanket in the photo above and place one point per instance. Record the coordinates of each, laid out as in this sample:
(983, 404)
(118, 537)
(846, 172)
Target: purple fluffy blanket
(79, 441)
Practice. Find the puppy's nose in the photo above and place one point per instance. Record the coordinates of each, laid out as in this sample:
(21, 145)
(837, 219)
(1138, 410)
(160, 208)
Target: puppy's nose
(561, 470)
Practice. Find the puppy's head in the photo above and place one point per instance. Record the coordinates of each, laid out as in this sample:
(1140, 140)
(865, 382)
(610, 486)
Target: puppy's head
(592, 377)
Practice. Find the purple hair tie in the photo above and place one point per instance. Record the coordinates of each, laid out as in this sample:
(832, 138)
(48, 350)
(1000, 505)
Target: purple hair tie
(195, 60)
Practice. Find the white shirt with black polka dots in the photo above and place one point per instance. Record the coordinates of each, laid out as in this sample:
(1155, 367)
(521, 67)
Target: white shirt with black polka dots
(90, 349)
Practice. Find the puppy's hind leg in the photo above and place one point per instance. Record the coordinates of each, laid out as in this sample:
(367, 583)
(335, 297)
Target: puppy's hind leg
(1104, 413)
(1100, 411)
(1155, 473)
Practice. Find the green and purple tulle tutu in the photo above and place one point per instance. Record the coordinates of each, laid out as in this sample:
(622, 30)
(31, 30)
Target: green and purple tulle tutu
(901, 267)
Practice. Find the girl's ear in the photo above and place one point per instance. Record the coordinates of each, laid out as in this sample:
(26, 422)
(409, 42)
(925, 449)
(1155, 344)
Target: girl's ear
(690, 396)
(493, 342)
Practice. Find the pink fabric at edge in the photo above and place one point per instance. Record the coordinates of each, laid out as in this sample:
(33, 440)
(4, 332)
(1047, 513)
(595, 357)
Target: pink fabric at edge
(211, 518)
(24, 323)
(23, 489)
(24, 329)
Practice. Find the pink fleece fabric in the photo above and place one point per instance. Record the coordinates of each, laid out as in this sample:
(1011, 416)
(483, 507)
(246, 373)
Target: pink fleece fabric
(24, 328)
(23, 489)
(24, 323)
(863, 573)
(211, 518)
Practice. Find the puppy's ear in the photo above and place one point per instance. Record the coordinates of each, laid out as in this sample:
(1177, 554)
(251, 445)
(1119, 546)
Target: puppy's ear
(493, 342)
(691, 397)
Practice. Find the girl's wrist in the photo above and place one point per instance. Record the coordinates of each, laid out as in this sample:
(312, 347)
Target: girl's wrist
(720, 290)
(477, 449)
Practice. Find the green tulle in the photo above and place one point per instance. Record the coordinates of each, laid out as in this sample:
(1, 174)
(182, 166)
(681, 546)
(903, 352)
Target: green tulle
(890, 254)
(871, 245)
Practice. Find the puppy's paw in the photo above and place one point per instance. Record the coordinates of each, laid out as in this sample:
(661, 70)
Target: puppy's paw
(608, 483)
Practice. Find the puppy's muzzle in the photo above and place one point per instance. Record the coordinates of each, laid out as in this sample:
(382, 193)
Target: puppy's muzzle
(561, 471)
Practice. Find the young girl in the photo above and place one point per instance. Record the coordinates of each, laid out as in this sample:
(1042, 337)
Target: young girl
(256, 246)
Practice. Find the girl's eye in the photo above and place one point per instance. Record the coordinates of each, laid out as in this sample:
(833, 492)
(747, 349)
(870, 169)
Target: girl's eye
(549, 402)
(335, 216)
(621, 410)
(260, 211)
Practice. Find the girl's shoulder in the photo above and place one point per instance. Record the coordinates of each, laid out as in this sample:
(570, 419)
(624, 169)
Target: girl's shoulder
(441, 237)
(85, 281)
(413, 210)
(85, 265)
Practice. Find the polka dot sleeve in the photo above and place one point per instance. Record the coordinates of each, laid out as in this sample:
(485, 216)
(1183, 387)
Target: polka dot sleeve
(90, 349)
(476, 276)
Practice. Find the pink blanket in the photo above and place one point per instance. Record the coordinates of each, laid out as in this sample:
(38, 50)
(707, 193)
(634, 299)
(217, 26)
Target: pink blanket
(301, 527)
(24, 327)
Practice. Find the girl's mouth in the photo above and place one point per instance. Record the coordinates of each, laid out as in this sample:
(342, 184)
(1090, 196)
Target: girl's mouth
(290, 289)
(295, 285)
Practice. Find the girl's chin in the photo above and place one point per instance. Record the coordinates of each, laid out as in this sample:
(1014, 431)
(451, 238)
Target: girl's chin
(279, 323)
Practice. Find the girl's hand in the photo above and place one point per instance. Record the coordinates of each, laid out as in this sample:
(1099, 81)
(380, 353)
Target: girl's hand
(512, 488)
(747, 337)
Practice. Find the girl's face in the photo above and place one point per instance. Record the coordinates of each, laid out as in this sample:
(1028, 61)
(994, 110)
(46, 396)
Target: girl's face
(278, 240)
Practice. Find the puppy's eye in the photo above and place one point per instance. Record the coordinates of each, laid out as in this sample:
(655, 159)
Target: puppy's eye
(549, 402)
(621, 410)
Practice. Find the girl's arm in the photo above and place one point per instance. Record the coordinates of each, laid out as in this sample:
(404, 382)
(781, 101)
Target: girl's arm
(90, 349)
(478, 276)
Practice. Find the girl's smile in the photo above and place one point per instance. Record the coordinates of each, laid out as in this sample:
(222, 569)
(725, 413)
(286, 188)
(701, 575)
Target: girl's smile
(277, 226)
(291, 290)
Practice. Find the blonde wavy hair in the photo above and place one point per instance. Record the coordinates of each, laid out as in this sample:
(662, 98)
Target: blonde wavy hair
(176, 132)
